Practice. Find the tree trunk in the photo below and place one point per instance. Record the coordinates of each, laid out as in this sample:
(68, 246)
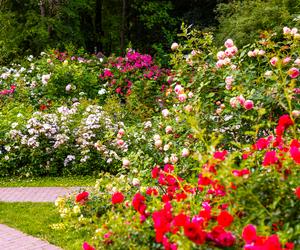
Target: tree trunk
(122, 45)
(42, 8)
(98, 26)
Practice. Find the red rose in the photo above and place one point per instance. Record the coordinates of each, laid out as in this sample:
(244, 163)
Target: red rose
(249, 234)
(86, 246)
(194, 233)
(117, 197)
(270, 158)
(82, 197)
(225, 219)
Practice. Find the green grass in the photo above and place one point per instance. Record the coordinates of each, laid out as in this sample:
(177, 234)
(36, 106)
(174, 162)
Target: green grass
(81, 181)
(35, 219)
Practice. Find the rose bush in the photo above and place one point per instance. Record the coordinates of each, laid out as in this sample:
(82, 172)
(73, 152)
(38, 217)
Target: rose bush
(204, 155)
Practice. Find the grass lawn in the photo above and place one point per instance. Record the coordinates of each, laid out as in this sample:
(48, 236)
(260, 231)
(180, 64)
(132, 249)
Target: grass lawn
(35, 219)
(82, 181)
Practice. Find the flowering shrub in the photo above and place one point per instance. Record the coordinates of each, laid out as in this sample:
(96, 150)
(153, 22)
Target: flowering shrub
(136, 80)
(218, 168)
(211, 206)
(77, 139)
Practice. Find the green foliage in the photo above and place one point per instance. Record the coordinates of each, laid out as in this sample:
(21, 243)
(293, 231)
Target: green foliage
(244, 20)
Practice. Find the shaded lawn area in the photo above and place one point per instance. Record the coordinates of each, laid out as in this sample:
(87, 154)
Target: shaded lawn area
(35, 219)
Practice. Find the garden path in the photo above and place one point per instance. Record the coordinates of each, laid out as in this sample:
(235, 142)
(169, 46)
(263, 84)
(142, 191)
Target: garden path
(34, 194)
(12, 239)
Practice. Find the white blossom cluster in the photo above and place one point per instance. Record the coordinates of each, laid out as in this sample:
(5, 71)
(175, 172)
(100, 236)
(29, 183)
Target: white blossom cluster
(80, 134)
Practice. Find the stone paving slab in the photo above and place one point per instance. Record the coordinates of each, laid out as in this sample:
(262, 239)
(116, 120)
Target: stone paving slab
(12, 239)
(34, 194)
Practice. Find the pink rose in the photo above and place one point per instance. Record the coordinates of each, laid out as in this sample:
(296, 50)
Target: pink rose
(297, 61)
(294, 31)
(274, 61)
(248, 104)
(286, 30)
(182, 97)
(234, 102)
(241, 99)
(185, 152)
(286, 60)
(293, 72)
(220, 63)
(221, 55)
(165, 112)
(228, 43)
(178, 89)
(229, 80)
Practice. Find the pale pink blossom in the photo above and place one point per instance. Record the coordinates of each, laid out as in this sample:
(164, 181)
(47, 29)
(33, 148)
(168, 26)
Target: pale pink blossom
(241, 99)
(255, 52)
(188, 108)
(182, 97)
(156, 137)
(296, 113)
(234, 102)
(169, 129)
(158, 143)
(268, 73)
(297, 61)
(294, 31)
(121, 131)
(166, 147)
(233, 67)
(286, 60)
(136, 182)
(174, 46)
(230, 52)
(221, 55)
(173, 158)
(261, 52)
(220, 63)
(228, 86)
(190, 94)
(165, 112)
(229, 79)
(274, 61)
(229, 43)
(227, 61)
(120, 142)
(250, 53)
(126, 163)
(218, 111)
(286, 30)
(166, 160)
(68, 87)
(178, 89)
(185, 152)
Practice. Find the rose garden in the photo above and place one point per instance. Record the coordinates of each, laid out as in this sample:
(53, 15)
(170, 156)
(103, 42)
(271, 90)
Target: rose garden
(204, 154)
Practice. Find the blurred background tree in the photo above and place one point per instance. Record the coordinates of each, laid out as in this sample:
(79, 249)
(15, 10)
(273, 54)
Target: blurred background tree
(110, 26)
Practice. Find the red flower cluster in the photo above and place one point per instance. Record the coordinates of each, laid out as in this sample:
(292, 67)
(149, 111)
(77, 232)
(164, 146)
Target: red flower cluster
(270, 158)
(82, 197)
(255, 242)
(86, 246)
(220, 155)
(284, 122)
(138, 202)
(117, 197)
